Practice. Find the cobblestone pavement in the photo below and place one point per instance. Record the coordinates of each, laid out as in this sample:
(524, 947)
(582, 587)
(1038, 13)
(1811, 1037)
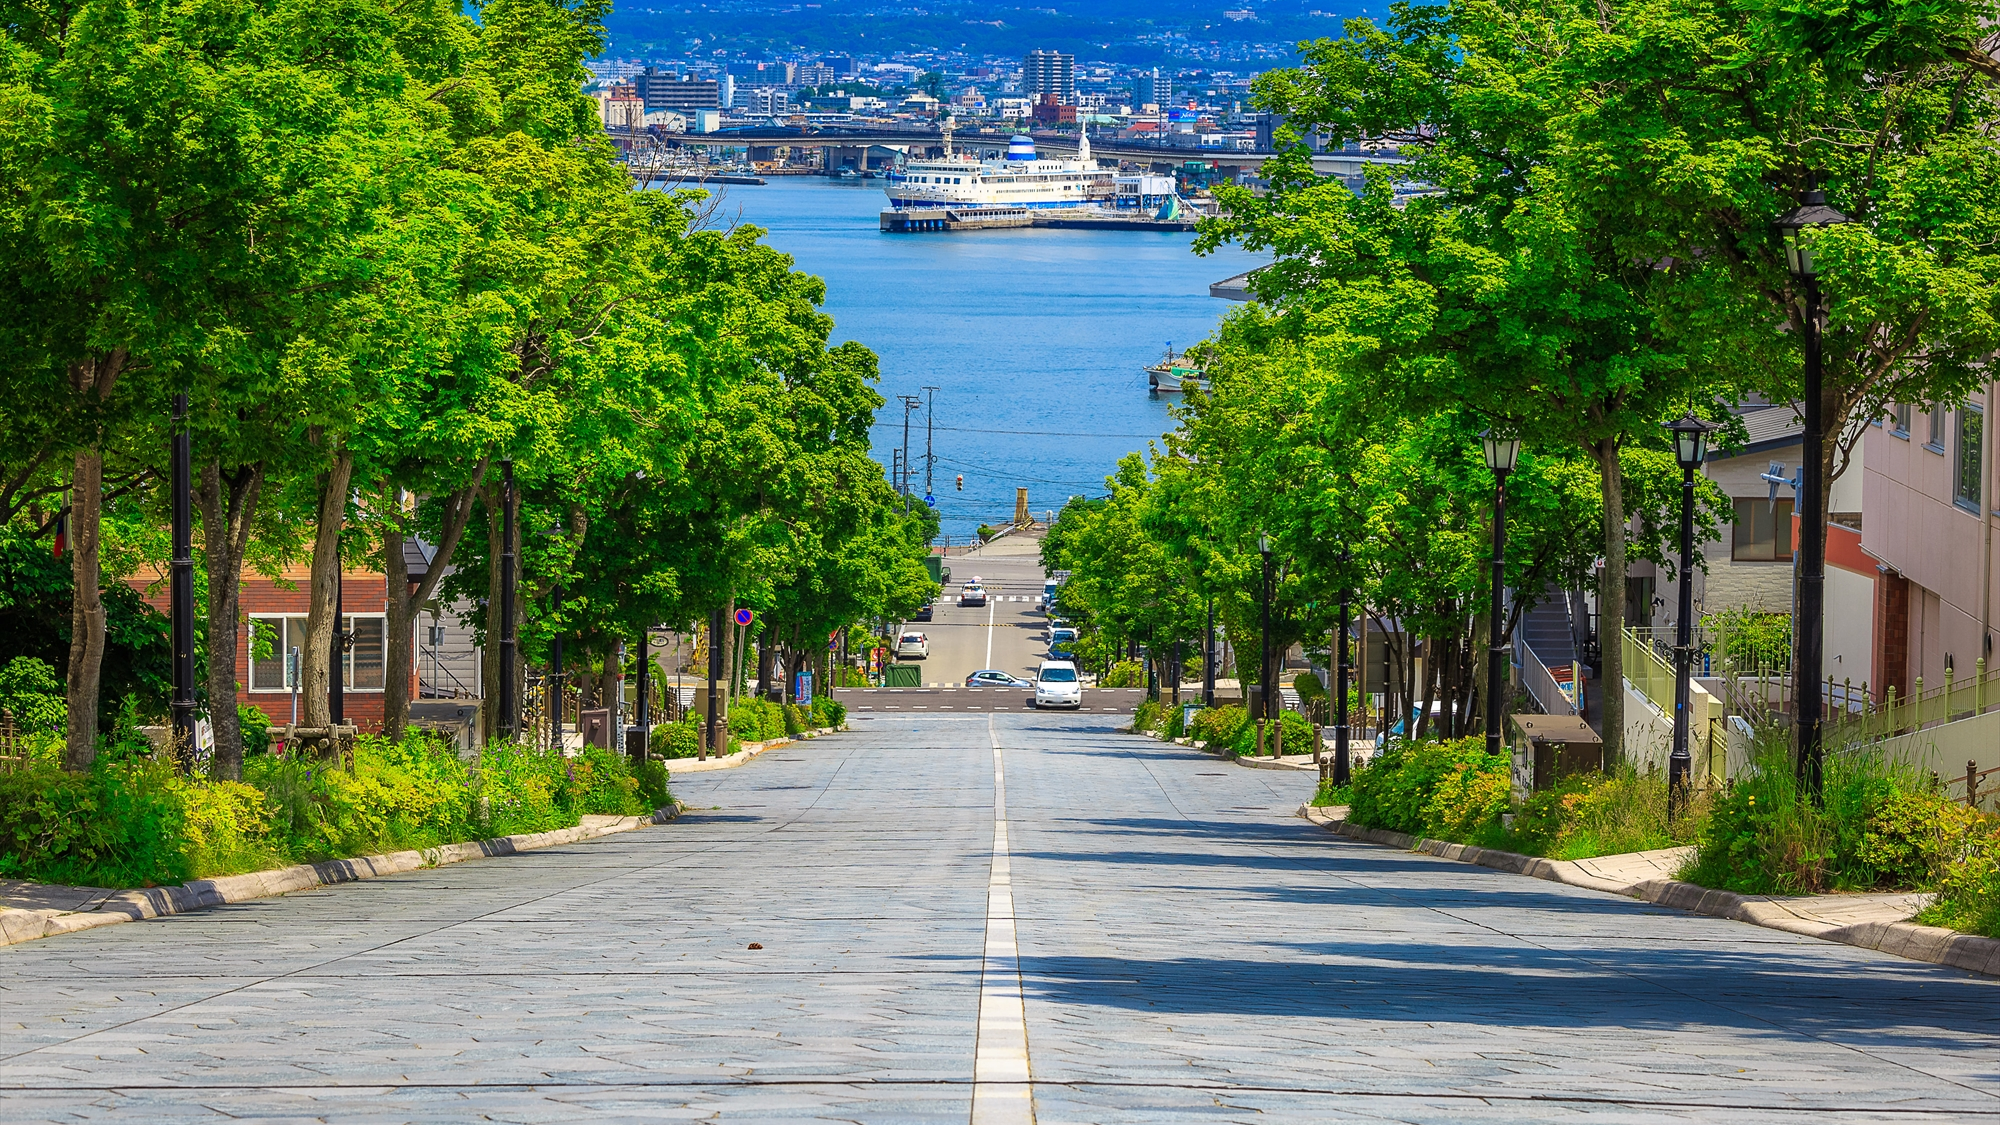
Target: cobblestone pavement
(1188, 951)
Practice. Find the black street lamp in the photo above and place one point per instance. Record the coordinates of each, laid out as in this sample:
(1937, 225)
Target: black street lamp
(180, 593)
(1690, 448)
(1797, 227)
(1264, 709)
(1344, 668)
(1501, 453)
(508, 720)
(1208, 657)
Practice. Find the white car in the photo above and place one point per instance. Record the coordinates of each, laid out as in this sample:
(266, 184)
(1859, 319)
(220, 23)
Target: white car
(972, 593)
(1058, 685)
(913, 646)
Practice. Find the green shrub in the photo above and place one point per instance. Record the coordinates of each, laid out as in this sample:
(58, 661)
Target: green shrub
(1218, 726)
(1298, 735)
(1124, 674)
(1330, 795)
(795, 720)
(677, 740)
(133, 821)
(1176, 721)
(1968, 889)
(1594, 814)
(755, 720)
(256, 728)
(30, 690)
(1879, 824)
(1443, 790)
(1147, 717)
(828, 712)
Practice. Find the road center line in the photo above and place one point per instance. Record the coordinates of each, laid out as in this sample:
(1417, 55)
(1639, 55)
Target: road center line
(990, 607)
(1002, 1091)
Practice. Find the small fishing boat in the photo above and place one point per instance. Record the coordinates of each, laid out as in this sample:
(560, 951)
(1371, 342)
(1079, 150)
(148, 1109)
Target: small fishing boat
(1173, 374)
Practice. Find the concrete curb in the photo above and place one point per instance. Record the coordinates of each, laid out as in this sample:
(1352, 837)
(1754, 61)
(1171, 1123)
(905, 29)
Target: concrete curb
(153, 902)
(730, 761)
(1933, 944)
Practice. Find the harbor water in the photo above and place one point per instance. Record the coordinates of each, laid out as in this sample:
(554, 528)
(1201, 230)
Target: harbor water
(1036, 339)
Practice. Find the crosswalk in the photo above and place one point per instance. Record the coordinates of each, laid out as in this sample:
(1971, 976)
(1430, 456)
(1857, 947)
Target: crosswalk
(1012, 598)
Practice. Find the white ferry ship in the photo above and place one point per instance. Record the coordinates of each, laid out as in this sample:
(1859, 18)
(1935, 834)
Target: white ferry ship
(962, 182)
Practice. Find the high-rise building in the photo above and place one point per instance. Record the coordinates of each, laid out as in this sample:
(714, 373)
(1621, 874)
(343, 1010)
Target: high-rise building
(663, 91)
(815, 74)
(1150, 87)
(1049, 73)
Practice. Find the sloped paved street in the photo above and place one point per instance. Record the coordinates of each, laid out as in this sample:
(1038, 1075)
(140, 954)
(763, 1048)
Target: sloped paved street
(1187, 951)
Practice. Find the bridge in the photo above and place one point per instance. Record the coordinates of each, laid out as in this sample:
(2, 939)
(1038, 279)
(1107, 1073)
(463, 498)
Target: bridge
(984, 142)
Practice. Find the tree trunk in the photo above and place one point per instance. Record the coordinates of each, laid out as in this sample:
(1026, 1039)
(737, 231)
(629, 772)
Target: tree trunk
(1611, 603)
(490, 665)
(766, 653)
(727, 686)
(316, 662)
(91, 379)
(227, 505)
(86, 638)
(404, 604)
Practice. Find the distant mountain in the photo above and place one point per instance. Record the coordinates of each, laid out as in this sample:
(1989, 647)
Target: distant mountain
(1132, 32)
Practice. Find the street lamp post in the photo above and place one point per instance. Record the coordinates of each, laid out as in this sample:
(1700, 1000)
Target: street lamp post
(1265, 688)
(1808, 629)
(1208, 657)
(1501, 453)
(1690, 447)
(1343, 669)
(181, 587)
(507, 720)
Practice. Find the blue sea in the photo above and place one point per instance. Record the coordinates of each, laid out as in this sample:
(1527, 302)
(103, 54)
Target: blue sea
(1037, 340)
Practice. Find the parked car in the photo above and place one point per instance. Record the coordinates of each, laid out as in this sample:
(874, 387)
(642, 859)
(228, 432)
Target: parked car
(912, 646)
(972, 593)
(1062, 644)
(923, 612)
(993, 677)
(1058, 685)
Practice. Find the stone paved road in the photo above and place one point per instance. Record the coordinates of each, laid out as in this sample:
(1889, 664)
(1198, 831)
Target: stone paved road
(1188, 952)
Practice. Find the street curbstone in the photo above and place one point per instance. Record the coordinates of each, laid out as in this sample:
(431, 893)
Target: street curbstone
(17, 926)
(1912, 940)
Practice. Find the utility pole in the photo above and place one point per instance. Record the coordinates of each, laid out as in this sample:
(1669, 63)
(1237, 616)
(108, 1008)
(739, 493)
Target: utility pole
(910, 402)
(507, 719)
(930, 419)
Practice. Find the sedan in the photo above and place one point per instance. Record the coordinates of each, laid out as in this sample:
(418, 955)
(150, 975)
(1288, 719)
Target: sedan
(972, 594)
(913, 646)
(993, 677)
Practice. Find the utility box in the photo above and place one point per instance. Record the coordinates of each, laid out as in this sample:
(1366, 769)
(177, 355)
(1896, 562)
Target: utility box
(596, 724)
(903, 675)
(1548, 748)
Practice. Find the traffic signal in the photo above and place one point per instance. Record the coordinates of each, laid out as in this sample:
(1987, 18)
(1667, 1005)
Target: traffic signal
(961, 482)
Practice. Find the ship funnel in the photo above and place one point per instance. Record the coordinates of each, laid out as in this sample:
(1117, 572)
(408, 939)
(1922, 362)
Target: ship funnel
(1021, 148)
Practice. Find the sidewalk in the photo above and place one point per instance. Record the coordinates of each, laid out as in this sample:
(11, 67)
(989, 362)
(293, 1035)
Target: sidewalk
(1871, 921)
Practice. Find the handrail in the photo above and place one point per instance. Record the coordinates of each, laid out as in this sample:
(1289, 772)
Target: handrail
(1542, 684)
(1865, 720)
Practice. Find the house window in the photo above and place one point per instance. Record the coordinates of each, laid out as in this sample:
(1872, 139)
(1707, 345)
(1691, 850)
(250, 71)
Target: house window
(1757, 534)
(1970, 445)
(1901, 428)
(273, 637)
(1935, 443)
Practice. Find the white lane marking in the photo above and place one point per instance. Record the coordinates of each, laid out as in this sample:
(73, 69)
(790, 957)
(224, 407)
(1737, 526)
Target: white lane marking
(1003, 1093)
(989, 638)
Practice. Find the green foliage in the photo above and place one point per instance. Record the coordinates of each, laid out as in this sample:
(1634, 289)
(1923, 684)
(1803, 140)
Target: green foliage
(1176, 721)
(1298, 735)
(132, 821)
(1124, 674)
(1595, 814)
(1880, 824)
(1749, 637)
(1443, 790)
(829, 712)
(795, 720)
(1968, 891)
(755, 720)
(1149, 716)
(1330, 795)
(256, 727)
(30, 691)
(680, 739)
(1218, 726)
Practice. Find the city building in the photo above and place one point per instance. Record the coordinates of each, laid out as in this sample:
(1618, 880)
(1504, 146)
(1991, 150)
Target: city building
(1930, 532)
(620, 107)
(674, 93)
(1051, 113)
(1151, 88)
(1049, 74)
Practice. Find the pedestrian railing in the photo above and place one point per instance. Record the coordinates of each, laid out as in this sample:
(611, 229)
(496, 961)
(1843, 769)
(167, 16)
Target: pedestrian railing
(1854, 716)
(1555, 691)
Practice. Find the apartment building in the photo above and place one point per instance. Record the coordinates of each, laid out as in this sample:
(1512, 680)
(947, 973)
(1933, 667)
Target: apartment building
(1930, 532)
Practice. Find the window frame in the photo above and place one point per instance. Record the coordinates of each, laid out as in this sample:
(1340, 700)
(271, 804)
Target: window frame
(1968, 411)
(1938, 431)
(347, 681)
(1900, 420)
(1780, 545)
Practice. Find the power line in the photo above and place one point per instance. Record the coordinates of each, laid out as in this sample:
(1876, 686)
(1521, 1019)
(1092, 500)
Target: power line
(1036, 433)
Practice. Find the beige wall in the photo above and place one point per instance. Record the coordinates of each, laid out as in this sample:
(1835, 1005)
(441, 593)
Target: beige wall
(1914, 527)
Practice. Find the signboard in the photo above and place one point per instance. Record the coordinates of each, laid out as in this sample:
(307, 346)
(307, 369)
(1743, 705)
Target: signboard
(803, 691)
(744, 617)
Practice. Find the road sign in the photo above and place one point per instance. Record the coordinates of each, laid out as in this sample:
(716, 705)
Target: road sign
(744, 617)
